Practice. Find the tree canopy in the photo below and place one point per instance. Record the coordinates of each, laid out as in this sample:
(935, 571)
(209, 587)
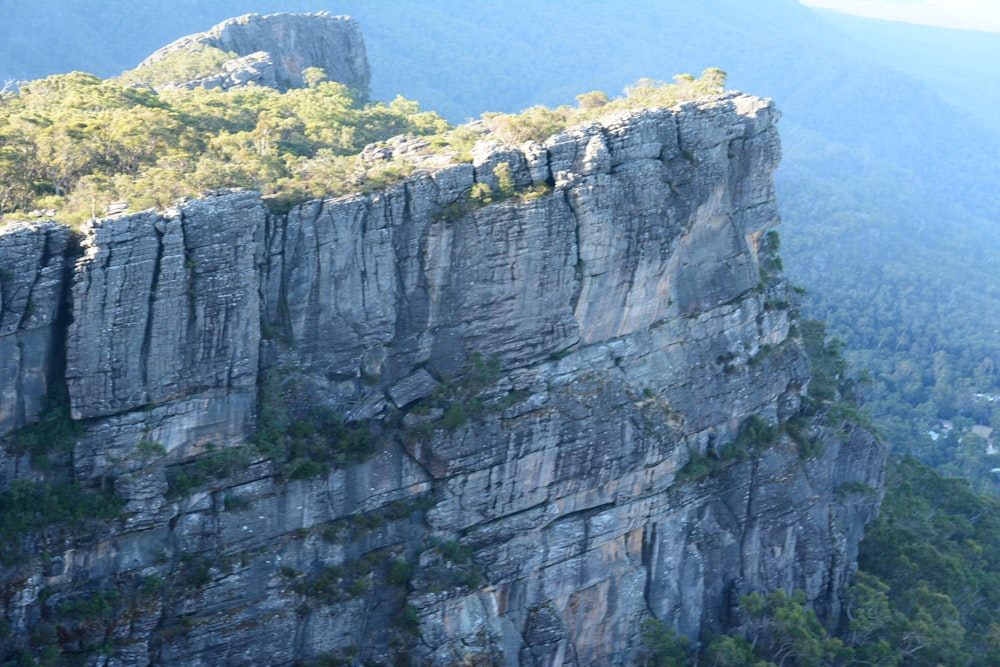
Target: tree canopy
(75, 143)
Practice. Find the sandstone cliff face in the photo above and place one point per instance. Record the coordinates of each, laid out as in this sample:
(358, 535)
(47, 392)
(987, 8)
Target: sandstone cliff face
(276, 48)
(537, 371)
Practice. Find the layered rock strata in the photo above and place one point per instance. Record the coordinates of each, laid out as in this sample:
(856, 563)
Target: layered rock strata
(540, 375)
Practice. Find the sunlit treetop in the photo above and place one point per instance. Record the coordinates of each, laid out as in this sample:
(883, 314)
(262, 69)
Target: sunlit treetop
(74, 143)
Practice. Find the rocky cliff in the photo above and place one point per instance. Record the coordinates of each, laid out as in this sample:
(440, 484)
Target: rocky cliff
(414, 423)
(273, 51)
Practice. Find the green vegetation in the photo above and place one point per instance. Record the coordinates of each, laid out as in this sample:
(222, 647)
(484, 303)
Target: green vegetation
(833, 395)
(150, 449)
(754, 435)
(152, 586)
(92, 607)
(337, 583)
(662, 647)
(357, 526)
(931, 570)
(179, 66)
(459, 399)
(458, 567)
(779, 630)
(919, 324)
(54, 432)
(539, 122)
(28, 505)
(75, 143)
(197, 571)
(306, 440)
(481, 194)
(216, 464)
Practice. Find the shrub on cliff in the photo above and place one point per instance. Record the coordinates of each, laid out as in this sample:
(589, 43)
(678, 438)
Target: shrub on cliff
(539, 122)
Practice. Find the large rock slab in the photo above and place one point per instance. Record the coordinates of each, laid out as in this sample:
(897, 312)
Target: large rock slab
(166, 305)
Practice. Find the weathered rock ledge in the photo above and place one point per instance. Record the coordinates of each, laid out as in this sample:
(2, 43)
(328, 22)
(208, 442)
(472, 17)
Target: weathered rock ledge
(589, 334)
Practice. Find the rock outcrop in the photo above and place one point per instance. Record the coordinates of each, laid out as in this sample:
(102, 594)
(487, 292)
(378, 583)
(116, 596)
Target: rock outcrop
(273, 51)
(528, 388)
(33, 264)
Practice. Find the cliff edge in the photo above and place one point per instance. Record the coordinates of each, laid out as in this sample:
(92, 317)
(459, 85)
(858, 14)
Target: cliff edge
(422, 423)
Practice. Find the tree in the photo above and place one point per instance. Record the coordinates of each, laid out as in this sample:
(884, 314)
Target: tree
(662, 646)
(592, 100)
(784, 630)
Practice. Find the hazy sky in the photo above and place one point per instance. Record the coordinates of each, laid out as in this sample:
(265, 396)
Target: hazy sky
(966, 14)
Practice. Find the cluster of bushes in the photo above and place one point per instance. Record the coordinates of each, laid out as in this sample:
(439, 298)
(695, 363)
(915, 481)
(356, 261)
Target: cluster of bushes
(76, 143)
(458, 399)
(356, 526)
(455, 567)
(307, 440)
(28, 505)
(53, 433)
(216, 464)
(539, 122)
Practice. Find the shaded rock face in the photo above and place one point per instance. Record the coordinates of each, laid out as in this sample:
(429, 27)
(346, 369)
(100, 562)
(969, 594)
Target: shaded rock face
(539, 371)
(33, 264)
(276, 48)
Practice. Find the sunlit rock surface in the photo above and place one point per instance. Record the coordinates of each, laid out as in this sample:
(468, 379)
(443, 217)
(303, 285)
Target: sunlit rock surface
(275, 49)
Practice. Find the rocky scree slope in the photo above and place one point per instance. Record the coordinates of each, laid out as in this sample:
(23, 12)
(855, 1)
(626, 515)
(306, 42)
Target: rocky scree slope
(273, 50)
(414, 423)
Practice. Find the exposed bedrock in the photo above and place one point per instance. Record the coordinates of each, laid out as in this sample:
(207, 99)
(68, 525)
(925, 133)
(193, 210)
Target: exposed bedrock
(273, 50)
(540, 371)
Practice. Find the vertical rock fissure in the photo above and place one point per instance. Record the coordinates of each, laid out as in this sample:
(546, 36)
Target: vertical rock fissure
(364, 212)
(29, 304)
(280, 312)
(580, 265)
(190, 295)
(403, 306)
(147, 335)
(648, 561)
(748, 520)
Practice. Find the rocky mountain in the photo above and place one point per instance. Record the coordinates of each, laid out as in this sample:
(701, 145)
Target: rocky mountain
(273, 51)
(421, 423)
